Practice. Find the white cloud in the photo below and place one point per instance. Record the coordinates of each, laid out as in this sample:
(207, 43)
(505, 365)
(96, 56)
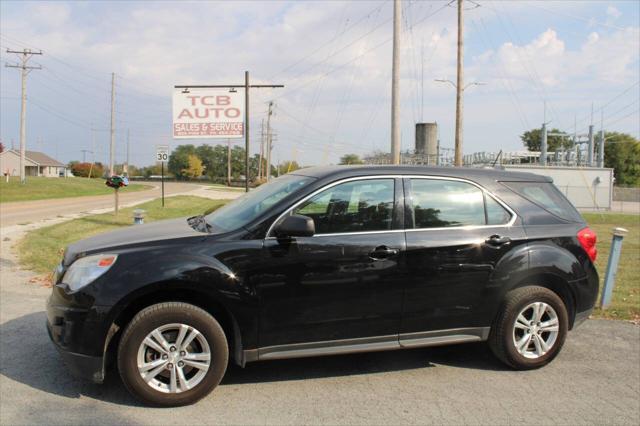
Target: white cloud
(153, 46)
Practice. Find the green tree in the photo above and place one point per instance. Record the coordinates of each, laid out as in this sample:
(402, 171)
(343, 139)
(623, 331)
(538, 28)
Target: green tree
(351, 159)
(288, 167)
(179, 160)
(622, 154)
(195, 167)
(532, 139)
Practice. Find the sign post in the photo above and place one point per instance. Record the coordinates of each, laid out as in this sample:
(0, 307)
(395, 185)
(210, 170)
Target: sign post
(214, 111)
(162, 155)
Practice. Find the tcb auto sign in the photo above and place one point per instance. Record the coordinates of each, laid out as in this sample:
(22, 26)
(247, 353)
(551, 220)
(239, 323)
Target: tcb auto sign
(207, 113)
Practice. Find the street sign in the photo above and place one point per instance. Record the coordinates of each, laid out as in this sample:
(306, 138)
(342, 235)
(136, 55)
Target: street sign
(208, 113)
(162, 156)
(162, 153)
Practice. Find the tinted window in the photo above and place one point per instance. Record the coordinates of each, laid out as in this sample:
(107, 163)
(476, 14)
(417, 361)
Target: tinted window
(443, 203)
(496, 214)
(243, 210)
(547, 196)
(365, 205)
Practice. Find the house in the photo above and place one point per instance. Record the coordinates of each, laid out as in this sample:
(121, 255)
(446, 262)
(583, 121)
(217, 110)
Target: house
(36, 164)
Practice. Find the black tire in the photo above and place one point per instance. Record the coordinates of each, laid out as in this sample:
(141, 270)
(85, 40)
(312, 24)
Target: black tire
(501, 338)
(159, 315)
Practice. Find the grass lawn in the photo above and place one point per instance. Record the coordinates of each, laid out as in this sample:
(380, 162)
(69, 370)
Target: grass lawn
(39, 250)
(40, 188)
(626, 293)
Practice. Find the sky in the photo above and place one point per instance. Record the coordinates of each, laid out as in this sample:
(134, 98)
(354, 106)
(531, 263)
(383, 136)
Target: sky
(334, 58)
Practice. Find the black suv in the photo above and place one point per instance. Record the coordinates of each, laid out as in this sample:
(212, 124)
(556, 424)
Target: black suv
(325, 261)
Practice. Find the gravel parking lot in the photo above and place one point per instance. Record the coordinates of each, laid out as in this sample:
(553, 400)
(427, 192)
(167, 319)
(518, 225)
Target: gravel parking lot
(595, 380)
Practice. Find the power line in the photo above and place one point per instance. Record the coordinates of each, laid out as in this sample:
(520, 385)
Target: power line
(347, 29)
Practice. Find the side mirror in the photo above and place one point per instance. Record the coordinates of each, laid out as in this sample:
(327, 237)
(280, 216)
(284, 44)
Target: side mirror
(296, 226)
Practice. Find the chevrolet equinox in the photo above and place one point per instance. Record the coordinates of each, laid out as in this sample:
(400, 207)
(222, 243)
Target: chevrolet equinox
(325, 261)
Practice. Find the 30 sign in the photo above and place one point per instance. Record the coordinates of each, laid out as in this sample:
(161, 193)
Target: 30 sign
(162, 153)
(207, 113)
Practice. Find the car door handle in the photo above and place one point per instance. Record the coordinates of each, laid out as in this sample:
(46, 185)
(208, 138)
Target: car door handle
(497, 240)
(383, 252)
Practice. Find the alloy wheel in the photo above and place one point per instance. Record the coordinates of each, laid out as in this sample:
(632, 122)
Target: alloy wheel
(535, 330)
(174, 358)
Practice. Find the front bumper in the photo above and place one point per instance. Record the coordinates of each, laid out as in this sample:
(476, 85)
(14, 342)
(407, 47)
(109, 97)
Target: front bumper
(78, 334)
(81, 366)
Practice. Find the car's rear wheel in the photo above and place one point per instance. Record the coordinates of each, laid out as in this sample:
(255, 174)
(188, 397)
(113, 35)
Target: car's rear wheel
(172, 354)
(530, 329)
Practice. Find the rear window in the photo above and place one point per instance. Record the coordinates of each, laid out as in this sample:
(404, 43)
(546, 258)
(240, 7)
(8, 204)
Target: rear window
(547, 196)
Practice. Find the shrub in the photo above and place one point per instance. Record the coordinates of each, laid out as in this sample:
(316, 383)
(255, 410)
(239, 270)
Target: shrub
(83, 169)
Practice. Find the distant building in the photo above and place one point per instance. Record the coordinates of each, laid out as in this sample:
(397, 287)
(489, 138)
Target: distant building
(36, 164)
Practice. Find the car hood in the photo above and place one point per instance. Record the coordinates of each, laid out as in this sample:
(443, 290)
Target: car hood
(134, 235)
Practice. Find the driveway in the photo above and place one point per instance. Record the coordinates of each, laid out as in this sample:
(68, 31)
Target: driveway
(595, 380)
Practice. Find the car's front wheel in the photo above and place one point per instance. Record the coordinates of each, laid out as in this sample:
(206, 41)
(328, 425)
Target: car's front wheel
(530, 329)
(172, 354)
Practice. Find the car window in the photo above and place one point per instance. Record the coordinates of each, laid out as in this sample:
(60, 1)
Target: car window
(364, 205)
(496, 214)
(246, 208)
(443, 203)
(547, 196)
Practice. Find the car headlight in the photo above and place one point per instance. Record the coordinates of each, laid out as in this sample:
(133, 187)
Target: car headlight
(87, 269)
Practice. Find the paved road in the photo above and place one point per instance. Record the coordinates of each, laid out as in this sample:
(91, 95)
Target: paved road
(595, 380)
(15, 213)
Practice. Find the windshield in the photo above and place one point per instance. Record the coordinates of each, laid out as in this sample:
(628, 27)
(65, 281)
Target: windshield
(243, 210)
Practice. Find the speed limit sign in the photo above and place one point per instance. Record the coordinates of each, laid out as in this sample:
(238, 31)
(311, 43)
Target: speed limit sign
(162, 153)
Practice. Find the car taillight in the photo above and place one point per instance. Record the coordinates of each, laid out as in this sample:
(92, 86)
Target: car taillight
(588, 241)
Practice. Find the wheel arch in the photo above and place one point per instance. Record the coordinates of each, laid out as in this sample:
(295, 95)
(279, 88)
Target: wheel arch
(183, 294)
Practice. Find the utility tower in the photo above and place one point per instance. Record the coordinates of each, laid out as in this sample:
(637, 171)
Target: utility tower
(395, 85)
(24, 55)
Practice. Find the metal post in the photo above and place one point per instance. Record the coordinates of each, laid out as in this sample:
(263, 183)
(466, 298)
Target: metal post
(590, 147)
(246, 131)
(459, 86)
(229, 162)
(162, 180)
(612, 266)
(116, 201)
(395, 85)
(543, 146)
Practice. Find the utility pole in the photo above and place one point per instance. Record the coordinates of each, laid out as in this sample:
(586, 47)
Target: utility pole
(459, 86)
(246, 131)
(269, 141)
(24, 55)
(113, 123)
(543, 142)
(261, 150)
(395, 85)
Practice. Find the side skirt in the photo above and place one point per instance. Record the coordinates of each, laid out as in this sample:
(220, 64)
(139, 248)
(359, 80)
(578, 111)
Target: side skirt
(369, 344)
